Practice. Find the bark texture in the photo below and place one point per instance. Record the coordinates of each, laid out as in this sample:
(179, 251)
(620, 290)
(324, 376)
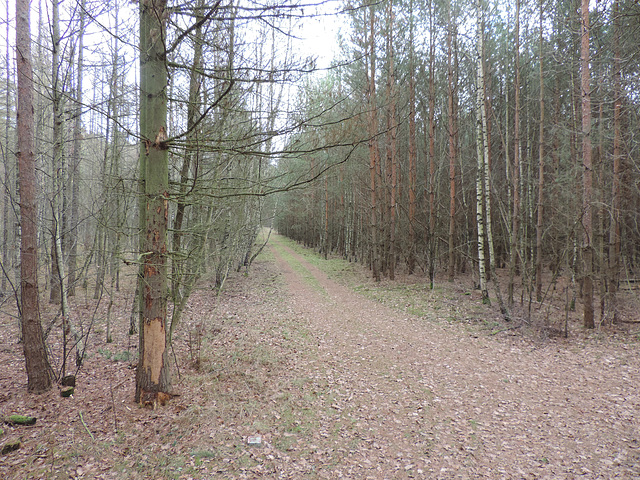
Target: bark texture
(481, 172)
(37, 365)
(515, 185)
(153, 368)
(452, 147)
(587, 172)
(373, 149)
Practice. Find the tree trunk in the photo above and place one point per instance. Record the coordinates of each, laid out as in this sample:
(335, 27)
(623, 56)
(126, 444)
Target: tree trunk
(393, 132)
(480, 184)
(515, 184)
(540, 173)
(614, 233)
(452, 146)
(153, 373)
(507, 150)
(191, 157)
(411, 262)
(325, 240)
(6, 195)
(432, 153)
(57, 167)
(373, 149)
(75, 162)
(101, 237)
(39, 373)
(587, 172)
(58, 268)
(486, 162)
(114, 189)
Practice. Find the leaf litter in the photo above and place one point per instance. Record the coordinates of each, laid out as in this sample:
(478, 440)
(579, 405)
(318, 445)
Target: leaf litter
(335, 385)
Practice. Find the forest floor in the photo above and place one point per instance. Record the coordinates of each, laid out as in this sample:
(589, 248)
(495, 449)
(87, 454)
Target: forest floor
(306, 369)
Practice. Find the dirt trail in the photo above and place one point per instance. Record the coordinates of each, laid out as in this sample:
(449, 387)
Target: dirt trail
(416, 398)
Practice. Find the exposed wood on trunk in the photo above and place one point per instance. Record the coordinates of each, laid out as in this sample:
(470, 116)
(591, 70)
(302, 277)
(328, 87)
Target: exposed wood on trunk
(153, 373)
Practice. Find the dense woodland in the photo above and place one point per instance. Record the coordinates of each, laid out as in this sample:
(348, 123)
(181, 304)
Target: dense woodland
(493, 139)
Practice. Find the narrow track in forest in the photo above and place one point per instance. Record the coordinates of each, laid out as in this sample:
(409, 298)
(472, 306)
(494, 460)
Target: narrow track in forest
(426, 399)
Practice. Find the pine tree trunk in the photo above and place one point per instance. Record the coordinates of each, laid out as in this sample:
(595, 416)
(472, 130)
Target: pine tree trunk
(432, 153)
(507, 150)
(515, 184)
(39, 373)
(325, 240)
(587, 172)
(540, 173)
(373, 150)
(452, 147)
(393, 132)
(411, 261)
(615, 233)
(153, 374)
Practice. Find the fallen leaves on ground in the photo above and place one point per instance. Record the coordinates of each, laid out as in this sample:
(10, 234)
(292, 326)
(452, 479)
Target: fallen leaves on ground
(337, 385)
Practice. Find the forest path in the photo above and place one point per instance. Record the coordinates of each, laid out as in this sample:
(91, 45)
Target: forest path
(419, 398)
